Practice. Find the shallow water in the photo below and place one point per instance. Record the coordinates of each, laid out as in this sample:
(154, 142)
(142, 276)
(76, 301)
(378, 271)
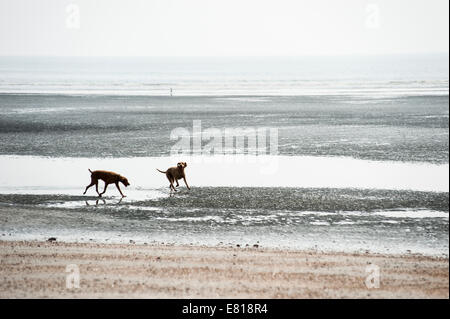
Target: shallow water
(30, 173)
(394, 206)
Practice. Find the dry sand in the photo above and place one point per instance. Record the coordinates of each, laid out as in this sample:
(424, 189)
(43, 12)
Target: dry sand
(38, 270)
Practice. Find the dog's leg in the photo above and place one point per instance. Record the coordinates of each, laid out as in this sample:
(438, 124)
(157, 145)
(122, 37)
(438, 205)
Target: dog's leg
(87, 187)
(176, 180)
(118, 187)
(93, 181)
(104, 190)
(171, 186)
(186, 183)
(96, 189)
(171, 180)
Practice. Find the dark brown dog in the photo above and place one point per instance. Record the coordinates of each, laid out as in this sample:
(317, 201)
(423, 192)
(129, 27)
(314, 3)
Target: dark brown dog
(108, 178)
(175, 173)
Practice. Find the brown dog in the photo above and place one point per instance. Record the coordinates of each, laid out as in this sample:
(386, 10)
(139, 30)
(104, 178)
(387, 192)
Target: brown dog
(108, 178)
(175, 173)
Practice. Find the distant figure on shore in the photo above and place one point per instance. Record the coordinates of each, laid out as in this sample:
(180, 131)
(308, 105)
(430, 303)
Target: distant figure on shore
(170, 91)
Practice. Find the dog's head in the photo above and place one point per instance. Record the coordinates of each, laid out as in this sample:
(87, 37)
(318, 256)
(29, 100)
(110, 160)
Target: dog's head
(181, 165)
(124, 181)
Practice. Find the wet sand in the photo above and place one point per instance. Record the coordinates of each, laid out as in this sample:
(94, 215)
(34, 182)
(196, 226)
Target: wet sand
(38, 270)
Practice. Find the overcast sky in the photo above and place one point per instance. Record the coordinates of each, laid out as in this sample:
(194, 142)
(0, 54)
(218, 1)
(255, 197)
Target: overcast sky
(222, 28)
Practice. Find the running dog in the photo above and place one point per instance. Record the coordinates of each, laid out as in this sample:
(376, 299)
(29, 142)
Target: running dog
(175, 173)
(108, 178)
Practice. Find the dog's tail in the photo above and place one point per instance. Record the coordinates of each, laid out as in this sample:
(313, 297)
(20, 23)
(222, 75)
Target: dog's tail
(161, 171)
(90, 170)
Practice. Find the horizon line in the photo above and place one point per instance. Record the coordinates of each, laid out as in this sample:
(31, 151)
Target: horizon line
(226, 56)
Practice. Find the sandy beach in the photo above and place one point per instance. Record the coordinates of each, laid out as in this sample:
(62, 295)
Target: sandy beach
(39, 270)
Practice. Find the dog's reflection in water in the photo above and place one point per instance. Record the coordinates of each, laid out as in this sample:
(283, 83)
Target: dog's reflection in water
(103, 201)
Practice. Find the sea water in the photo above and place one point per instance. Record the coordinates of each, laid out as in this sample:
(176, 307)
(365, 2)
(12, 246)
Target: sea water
(361, 159)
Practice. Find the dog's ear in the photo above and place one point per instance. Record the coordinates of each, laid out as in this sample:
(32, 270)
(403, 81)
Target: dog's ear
(185, 164)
